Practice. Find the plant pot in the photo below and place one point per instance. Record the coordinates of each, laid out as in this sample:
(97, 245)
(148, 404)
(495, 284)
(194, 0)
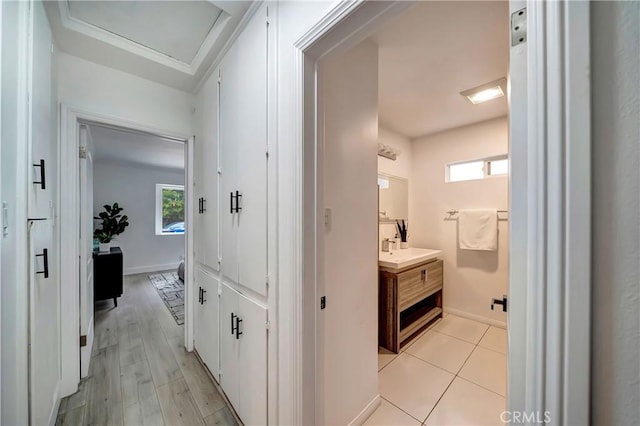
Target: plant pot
(404, 245)
(105, 247)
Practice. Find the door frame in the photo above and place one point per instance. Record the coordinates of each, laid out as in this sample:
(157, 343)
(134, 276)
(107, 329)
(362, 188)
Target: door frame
(549, 281)
(71, 117)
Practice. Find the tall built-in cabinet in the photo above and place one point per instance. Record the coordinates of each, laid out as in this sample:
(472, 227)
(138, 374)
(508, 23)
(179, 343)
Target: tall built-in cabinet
(233, 194)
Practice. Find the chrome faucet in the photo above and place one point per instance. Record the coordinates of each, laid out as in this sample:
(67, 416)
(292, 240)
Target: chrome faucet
(385, 244)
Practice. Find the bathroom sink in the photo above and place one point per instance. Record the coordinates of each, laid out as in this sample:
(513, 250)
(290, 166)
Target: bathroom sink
(403, 258)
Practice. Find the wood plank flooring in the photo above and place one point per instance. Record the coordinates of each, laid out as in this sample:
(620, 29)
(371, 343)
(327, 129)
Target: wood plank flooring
(140, 372)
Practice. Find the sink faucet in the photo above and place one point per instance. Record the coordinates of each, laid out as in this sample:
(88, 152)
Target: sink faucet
(385, 244)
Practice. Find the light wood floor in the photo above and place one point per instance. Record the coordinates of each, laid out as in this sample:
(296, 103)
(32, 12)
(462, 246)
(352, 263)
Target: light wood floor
(140, 373)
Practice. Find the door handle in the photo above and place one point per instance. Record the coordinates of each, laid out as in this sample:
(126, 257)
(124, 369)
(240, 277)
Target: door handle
(238, 332)
(203, 205)
(424, 275)
(203, 299)
(231, 202)
(200, 295)
(45, 256)
(502, 302)
(42, 181)
(233, 329)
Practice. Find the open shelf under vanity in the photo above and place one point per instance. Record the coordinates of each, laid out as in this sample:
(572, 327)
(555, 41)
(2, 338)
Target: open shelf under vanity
(410, 299)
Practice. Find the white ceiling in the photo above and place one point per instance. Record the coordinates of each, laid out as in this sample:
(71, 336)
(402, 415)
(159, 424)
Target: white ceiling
(115, 145)
(171, 42)
(430, 54)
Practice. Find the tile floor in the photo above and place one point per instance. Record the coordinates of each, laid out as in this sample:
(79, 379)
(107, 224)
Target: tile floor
(453, 374)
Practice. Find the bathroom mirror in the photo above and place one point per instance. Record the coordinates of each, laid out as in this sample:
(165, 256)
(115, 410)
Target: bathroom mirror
(393, 199)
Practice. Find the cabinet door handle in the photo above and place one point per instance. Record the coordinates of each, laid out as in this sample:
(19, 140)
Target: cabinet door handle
(233, 328)
(45, 256)
(238, 196)
(424, 275)
(200, 295)
(42, 181)
(231, 202)
(203, 299)
(238, 332)
(203, 205)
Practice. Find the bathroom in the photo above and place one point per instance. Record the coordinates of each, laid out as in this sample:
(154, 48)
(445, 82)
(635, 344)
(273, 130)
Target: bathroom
(430, 91)
(443, 212)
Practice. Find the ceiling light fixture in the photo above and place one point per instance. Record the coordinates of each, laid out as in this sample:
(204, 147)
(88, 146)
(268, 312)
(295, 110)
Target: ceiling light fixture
(485, 92)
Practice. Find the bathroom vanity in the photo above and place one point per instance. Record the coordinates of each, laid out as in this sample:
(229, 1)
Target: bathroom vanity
(410, 294)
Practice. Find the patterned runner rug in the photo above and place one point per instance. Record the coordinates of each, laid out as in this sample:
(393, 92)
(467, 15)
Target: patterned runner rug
(171, 291)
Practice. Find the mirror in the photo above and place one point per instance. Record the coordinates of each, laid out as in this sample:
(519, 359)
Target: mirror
(393, 198)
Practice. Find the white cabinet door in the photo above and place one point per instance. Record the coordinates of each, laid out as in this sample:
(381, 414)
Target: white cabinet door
(229, 344)
(200, 328)
(229, 125)
(199, 189)
(43, 334)
(252, 153)
(211, 324)
(252, 373)
(207, 249)
(42, 118)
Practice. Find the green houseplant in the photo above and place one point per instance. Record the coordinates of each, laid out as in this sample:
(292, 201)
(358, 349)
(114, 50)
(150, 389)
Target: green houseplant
(113, 224)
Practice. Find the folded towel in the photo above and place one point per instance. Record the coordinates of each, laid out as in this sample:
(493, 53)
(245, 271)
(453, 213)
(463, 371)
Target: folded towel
(478, 230)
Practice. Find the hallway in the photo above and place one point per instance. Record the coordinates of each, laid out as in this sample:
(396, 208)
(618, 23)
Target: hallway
(140, 373)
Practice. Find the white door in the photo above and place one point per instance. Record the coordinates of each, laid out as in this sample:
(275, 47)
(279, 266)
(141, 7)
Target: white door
(86, 250)
(207, 320)
(229, 123)
(252, 153)
(44, 292)
(252, 374)
(209, 143)
(229, 345)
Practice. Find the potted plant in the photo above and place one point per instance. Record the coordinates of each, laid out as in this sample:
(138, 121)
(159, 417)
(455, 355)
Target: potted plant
(113, 224)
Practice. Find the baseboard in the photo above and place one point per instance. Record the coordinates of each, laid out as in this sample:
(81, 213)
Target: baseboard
(85, 352)
(479, 318)
(56, 407)
(366, 412)
(151, 268)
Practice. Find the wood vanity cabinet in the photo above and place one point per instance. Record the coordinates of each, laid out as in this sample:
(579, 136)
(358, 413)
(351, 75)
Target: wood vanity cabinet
(409, 300)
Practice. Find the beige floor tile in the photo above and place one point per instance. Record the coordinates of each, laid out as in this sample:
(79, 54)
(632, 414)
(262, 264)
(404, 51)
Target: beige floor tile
(389, 415)
(413, 385)
(441, 350)
(488, 369)
(384, 358)
(462, 328)
(467, 404)
(496, 339)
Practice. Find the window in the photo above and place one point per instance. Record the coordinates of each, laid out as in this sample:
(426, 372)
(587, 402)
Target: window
(477, 169)
(169, 209)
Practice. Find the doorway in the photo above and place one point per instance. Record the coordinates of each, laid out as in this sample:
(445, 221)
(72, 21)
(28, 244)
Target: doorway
(527, 213)
(79, 131)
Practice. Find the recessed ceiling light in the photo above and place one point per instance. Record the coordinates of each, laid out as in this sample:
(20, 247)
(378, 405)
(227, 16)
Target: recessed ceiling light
(486, 92)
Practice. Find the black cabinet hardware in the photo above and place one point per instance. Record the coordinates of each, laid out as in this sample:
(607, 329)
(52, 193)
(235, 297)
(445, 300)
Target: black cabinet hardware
(237, 207)
(502, 302)
(203, 299)
(45, 257)
(200, 295)
(42, 181)
(238, 332)
(202, 205)
(238, 196)
(233, 328)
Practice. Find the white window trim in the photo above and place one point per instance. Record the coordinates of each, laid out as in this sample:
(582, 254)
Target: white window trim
(159, 188)
(485, 168)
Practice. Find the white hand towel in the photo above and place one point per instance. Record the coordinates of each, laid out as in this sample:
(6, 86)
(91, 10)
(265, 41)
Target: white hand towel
(478, 230)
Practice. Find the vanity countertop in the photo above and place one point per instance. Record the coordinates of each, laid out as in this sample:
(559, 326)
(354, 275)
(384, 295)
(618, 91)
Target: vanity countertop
(403, 258)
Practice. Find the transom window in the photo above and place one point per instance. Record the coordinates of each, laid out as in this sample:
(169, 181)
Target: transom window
(477, 169)
(169, 209)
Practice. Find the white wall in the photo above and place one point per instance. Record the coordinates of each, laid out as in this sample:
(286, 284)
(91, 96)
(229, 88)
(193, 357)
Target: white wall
(615, 100)
(401, 167)
(108, 91)
(134, 188)
(350, 89)
(471, 278)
